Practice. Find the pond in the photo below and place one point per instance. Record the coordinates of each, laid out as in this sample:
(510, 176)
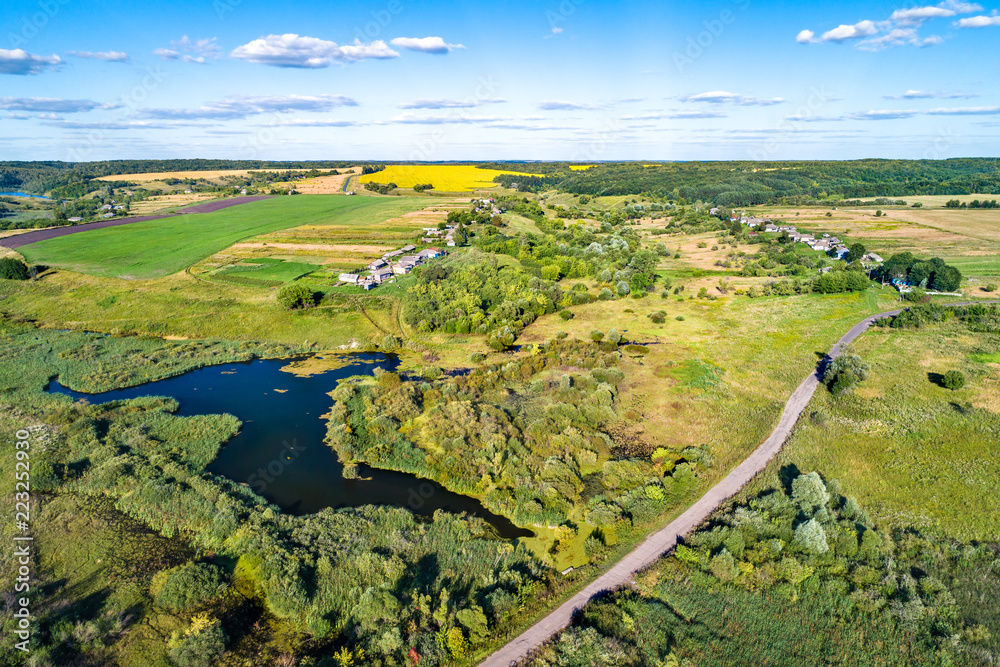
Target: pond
(279, 452)
(21, 194)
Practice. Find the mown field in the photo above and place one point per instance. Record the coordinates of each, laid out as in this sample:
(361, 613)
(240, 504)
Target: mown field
(159, 248)
(444, 177)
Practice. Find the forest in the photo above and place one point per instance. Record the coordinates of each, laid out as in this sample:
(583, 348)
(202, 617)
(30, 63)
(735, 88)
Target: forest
(748, 183)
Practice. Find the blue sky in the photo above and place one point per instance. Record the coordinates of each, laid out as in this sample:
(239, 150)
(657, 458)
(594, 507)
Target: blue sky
(550, 79)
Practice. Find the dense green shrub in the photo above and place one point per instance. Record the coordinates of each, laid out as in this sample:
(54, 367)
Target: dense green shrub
(201, 645)
(953, 380)
(189, 586)
(296, 295)
(13, 269)
(844, 372)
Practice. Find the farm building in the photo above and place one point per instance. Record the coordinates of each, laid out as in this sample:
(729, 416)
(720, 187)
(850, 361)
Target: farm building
(351, 278)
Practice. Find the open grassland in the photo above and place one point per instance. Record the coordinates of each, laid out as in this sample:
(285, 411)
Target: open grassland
(158, 248)
(720, 375)
(444, 177)
(915, 453)
(180, 306)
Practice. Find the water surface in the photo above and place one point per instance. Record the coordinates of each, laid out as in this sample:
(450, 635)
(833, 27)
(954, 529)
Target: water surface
(280, 452)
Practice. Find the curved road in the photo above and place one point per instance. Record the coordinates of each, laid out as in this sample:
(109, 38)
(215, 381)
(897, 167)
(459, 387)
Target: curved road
(27, 238)
(654, 547)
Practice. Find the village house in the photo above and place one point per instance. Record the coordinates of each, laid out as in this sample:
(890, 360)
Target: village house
(409, 248)
(382, 275)
(350, 278)
(377, 264)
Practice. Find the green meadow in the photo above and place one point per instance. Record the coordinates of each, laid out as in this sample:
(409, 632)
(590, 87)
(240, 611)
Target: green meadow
(157, 248)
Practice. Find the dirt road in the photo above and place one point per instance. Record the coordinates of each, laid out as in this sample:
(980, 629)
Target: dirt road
(19, 240)
(664, 540)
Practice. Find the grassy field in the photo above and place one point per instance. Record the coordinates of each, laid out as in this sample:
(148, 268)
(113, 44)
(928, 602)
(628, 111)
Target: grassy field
(444, 177)
(914, 453)
(158, 248)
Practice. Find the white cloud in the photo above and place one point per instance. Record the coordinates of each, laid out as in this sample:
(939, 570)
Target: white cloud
(447, 104)
(51, 104)
(190, 50)
(291, 50)
(926, 94)
(425, 44)
(979, 21)
(917, 15)
(965, 111)
(308, 122)
(844, 32)
(900, 28)
(725, 97)
(249, 105)
(556, 30)
(898, 37)
(884, 114)
(107, 56)
(170, 54)
(454, 118)
(676, 115)
(20, 62)
(561, 105)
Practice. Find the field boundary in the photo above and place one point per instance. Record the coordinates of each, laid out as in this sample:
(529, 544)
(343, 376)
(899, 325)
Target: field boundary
(661, 542)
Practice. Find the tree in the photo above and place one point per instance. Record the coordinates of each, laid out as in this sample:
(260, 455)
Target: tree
(296, 295)
(809, 492)
(811, 537)
(855, 252)
(502, 338)
(201, 645)
(13, 269)
(188, 586)
(953, 380)
(844, 372)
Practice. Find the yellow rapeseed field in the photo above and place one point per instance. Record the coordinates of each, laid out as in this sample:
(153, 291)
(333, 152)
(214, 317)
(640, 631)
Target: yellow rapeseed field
(444, 177)
(580, 167)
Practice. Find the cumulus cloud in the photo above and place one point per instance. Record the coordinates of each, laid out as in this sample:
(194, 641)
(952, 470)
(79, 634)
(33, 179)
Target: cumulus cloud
(291, 50)
(107, 56)
(899, 29)
(845, 32)
(425, 44)
(249, 105)
(562, 105)
(725, 97)
(20, 62)
(447, 104)
(979, 21)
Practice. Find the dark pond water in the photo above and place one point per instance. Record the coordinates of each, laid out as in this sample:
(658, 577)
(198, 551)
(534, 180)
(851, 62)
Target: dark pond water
(280, 451)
